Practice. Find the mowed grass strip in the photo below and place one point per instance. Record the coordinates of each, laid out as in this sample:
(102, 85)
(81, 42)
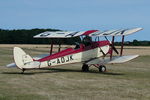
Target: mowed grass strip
(128, 81)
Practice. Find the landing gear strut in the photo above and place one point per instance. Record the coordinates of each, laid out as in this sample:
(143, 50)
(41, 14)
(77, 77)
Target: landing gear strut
(102, 68)
(85, 68)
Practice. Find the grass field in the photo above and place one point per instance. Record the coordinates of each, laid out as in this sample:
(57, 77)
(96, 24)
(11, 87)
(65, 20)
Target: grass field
(128, 81)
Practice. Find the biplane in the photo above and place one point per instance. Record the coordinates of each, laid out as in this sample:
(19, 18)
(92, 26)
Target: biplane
(90, 52)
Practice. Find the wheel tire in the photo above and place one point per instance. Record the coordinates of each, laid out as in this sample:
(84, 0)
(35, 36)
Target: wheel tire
(85, 68)
(102, 68)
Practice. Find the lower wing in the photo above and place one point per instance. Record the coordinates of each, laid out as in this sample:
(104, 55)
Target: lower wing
(116, 59)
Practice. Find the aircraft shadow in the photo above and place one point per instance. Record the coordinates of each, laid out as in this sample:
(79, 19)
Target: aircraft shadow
(58, 70)
(91, 71)
(26, 73)
(29, 73)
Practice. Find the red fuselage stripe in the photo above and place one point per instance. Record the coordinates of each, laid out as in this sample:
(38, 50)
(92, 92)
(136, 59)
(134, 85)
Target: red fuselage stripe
(70, 51)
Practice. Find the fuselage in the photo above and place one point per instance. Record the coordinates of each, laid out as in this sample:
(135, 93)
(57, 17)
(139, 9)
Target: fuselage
(81, 54)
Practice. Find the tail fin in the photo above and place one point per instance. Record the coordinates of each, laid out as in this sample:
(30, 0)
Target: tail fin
(23, 60)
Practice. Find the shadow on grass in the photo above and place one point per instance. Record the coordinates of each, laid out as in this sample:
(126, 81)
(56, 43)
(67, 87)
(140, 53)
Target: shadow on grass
(91, 71)
(18, 73)
(58, 70)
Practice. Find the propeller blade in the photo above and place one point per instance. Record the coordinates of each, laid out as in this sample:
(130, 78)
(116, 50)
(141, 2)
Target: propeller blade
(114, 48)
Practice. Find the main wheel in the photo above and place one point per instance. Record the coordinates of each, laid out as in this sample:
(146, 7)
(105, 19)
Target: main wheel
(85, 68)
(102, 68)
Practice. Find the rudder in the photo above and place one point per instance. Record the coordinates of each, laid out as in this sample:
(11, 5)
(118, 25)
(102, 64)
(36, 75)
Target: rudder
(21, 58)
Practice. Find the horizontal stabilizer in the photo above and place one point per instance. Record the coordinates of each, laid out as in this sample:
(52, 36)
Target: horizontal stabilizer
(31, 65)
(40, 56)
(11, 65)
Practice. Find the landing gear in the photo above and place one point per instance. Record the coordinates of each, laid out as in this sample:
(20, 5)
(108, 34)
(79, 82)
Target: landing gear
(102, 68)
(85, 68)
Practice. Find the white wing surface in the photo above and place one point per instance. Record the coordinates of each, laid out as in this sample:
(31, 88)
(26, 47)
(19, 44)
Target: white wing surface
(69, 34)
(58, 34)
(119, 32)
(117, 59)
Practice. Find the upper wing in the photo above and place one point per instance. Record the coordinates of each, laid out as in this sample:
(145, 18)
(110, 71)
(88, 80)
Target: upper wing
(116, 32)
(58, 34)
(63, 34)
(117, 59)
(68, 34)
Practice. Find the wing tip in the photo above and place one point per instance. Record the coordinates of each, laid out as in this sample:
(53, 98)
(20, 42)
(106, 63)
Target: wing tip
(139, 28)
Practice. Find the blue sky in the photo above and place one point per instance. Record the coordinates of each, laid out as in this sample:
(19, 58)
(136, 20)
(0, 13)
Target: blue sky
(77, 15)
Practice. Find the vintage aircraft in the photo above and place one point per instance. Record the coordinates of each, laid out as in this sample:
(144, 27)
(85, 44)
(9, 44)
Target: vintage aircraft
(88, 52)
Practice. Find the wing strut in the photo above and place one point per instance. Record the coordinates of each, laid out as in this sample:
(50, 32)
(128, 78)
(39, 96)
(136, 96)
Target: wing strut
(51, 49)
(122, 44)
(59, 48)
(111, 52)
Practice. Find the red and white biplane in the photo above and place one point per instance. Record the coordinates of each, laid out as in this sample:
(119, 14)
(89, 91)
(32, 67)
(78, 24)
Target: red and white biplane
(89, 52)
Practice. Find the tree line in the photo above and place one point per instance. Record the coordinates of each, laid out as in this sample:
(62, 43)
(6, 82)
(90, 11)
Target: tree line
(134, 43)
(24, 36)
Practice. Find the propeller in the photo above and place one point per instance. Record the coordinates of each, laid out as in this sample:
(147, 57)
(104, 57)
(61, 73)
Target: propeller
(114, 48)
